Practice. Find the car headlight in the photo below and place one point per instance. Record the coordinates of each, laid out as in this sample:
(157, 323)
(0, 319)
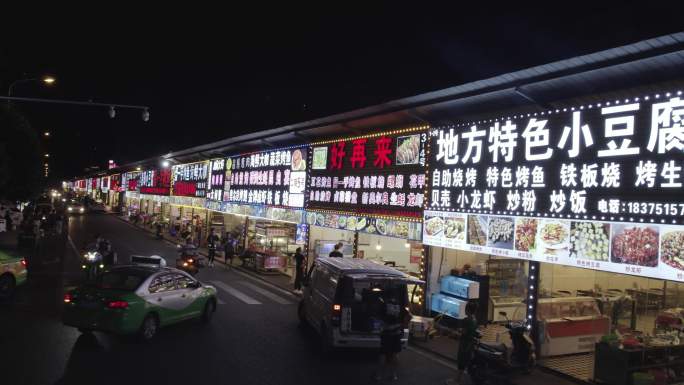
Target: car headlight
(70, 208)
(81, 209)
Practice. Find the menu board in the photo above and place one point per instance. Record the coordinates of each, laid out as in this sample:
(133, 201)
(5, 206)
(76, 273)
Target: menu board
(380, 174)
(217, 176)
(649, 250)
(155, 182)
(273, 178)
(190, 179)
(378, 226)
(617, 161)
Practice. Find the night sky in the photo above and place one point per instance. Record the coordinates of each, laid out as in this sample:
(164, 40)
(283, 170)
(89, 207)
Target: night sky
(212, 74)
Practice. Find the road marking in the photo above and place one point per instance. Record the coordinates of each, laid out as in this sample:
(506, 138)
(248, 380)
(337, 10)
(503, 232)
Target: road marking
(265, 293)
(71, 242)
(236, 293)
(246, 275)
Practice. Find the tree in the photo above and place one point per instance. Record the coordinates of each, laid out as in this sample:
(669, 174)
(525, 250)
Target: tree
(20, 157)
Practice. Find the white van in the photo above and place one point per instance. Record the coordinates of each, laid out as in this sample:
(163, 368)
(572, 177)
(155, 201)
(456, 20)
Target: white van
(339, 297)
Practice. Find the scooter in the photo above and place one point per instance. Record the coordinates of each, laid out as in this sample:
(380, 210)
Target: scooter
(497, 362)
(92, 263)
(189, 259)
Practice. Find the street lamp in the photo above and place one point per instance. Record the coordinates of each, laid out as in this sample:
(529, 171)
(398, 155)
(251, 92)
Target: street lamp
(48, 80)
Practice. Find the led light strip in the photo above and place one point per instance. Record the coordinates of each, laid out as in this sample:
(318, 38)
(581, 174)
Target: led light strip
(374, 135)
(565, 109)
(377, 216)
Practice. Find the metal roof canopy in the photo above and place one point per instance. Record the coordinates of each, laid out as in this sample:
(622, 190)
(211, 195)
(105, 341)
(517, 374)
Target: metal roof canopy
(583, 79)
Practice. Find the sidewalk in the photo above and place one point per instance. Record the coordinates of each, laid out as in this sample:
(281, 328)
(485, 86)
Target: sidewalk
(280, 280)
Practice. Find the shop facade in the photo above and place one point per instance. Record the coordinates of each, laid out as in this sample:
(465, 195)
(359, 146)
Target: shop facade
(129, 183)
(573, 218)
(257, 199)
(367, 192)
(187, 213)
(154, 186)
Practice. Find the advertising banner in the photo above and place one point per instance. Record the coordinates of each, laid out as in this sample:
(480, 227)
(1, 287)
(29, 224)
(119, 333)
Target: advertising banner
(155, 182)
(596, 186)
(272, 178)
(190, 180)
(382, 174)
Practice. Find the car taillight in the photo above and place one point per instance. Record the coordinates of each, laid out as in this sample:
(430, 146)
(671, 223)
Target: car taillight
(336, 312)
(23, 262)
(68, 298)
(117, 304)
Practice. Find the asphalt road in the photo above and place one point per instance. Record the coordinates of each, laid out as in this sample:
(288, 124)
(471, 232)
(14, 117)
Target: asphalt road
(253, 339)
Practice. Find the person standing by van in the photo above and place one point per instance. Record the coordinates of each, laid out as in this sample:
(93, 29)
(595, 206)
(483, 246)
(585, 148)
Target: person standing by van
(466, 344)
(336, 253)
(299, 270)
(393, 319)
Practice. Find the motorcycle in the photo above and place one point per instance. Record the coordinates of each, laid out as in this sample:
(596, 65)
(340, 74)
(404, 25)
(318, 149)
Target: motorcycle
(497, 362)
(92, 264)
(189, 259)
(96, 258)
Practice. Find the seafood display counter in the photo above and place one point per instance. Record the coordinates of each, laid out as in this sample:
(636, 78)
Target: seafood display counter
(570, 325)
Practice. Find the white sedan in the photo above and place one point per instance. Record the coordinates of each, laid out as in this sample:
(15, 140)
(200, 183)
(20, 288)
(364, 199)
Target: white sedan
(75, 208)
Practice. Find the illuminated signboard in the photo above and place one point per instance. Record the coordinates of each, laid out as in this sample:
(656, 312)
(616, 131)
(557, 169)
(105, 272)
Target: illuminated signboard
(217, 176)
(115, 183)
(381, 174)
(273, 178)
(190, 180)
(596, 186)
(155, 182)
(104, 184)
(129, 181)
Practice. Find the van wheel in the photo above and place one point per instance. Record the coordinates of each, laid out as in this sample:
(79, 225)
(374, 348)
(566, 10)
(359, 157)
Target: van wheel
(326, 340)
(301, 314)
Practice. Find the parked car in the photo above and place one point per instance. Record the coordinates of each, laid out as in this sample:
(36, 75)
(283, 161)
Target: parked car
(338, 298)
(15, 213)
(97, 207)
(12, 274)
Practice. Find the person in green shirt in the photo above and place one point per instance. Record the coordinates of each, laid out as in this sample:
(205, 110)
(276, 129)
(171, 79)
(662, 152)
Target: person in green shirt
(466, 343)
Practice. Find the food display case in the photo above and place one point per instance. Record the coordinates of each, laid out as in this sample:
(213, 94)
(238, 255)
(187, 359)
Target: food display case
(570, 325)
(451, 306)
(513, 306)
(459, 287)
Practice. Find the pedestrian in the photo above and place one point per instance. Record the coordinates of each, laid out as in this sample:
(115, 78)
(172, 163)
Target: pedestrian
(299, 270)
(336, 252)
(58, 224)
(229, 250)
(8, 219)
(393, 317)
(466, 343)
(212, 240)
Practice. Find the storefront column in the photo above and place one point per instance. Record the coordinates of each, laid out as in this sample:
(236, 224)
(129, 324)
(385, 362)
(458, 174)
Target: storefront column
(532, 300)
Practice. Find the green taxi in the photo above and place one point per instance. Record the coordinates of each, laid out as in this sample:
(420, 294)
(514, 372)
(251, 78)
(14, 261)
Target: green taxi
(136, 299)
(12, 274)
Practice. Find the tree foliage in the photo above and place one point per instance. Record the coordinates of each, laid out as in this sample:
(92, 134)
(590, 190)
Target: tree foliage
(20, 157)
